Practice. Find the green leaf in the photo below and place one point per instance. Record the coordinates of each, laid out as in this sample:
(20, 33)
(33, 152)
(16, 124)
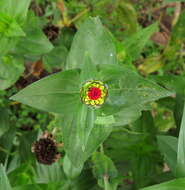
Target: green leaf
(56, 58)
(128, 92)
(35, 43)
(7, 44)
(4, 182)
(24, 174)
(9, 27)
(177, 84)
(57, 93)
(145, 155)
(26, 140)
(4, 121)
(20, 13)
(11, 69)
(6, 143)
(76, 151)
(168, 147)
(181, 148)
(30, 187)
(84, 123)
(70, 170)
(88, 71)
(132, 88)
(105, 120)
(135, 43)
(15, 9)
(93, 39)
(103, 165)
(172, 82)
(49, 174)
(177, 184)
(104, 170)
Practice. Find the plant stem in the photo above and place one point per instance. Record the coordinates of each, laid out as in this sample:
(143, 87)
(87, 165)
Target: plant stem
(79, 15)
(101, 149)
(177, 13)
(106, 182)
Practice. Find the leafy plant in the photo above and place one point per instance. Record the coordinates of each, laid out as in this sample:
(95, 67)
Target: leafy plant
(75, 113)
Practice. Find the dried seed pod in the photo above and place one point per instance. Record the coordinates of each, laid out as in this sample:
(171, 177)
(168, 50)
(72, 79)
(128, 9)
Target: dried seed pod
(45, 149)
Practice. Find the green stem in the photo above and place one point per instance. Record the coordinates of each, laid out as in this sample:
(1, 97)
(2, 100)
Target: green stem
(79, 15)
(106, 182)
(4, 150)
(101, 148)
(131, 132)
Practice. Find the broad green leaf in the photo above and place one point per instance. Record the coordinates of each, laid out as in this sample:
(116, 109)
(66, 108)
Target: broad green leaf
(48, 174)
(104, 170)
(181, 148)
(93, 39)
(21, 10)
(15, 9)
(84, 123)
(26, 140)
(177, 184)
(4, 121)
(6, 143)
(14, 163)
(9, 27)
(103, 120)
(57, 93)
(145, 124)
(83, 182)
(35, 43)
(103, 165)
(11, 69)
(76, 151)
(56, 58)
(168, 147)
(70, 170)
(24, 174)
(132, 88)
(143, 169)
(4, 182)
(5, 6)
(89, 70)
(135, 43)
(119, 151)
(172, 82)
(7, 44)
(128, 92)
(144, 160)
(86, 115)
(177, 84)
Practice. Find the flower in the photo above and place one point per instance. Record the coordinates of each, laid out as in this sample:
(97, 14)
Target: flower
(94, 93)
(45, 149)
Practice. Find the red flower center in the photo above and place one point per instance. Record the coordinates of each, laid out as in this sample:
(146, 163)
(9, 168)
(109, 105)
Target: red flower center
(94, 93)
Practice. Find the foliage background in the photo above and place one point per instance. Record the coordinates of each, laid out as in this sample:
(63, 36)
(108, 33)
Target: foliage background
(35, 41)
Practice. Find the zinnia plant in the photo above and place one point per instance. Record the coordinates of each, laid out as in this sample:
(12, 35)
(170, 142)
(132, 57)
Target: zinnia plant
(94, 95)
